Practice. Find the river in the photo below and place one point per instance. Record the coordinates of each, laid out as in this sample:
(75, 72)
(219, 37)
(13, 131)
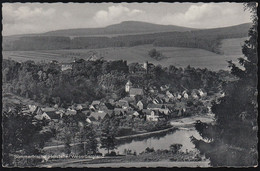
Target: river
(180, 136)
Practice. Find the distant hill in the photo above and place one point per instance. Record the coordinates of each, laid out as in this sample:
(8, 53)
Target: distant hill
(241, 28)
(127, 34)
(126, 27)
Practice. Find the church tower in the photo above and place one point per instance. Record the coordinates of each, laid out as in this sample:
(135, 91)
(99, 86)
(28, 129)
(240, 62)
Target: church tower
(145, 65)
(128, 86)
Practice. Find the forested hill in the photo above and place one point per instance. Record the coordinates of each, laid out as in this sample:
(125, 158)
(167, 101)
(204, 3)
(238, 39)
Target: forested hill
(123, 28)
(135, 27)
(208, 39)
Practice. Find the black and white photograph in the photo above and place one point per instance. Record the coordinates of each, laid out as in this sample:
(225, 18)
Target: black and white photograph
(130, 85)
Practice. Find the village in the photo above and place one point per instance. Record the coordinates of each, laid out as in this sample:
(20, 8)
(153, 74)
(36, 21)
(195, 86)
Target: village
(160, 104)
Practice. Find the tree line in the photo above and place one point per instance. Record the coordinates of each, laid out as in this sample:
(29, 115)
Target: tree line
(92, 80)
(233, 138)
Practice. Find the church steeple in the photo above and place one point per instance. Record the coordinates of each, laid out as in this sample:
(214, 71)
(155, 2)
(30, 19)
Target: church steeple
(128, 85)
(145, 66)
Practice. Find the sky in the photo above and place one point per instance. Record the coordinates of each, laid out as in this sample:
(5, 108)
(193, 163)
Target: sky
(26, 18)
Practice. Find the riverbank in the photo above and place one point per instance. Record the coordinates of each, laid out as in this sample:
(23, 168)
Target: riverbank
(161, 143)
(176, 124)
(190, 121)
(145, 134)
(120, 140)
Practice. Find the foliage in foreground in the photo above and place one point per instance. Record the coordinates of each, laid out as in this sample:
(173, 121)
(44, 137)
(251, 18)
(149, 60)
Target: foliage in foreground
(22, 136)
(233, 139)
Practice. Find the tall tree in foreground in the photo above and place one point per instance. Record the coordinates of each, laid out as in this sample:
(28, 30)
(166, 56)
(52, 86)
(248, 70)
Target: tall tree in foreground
(88, 139)
(233, 138)
(108, 140)
(23, 135)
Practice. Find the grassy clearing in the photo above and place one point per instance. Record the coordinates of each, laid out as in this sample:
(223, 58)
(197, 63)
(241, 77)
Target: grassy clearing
(180, 57)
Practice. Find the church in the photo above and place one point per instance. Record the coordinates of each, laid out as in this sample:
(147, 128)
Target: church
(133, 91)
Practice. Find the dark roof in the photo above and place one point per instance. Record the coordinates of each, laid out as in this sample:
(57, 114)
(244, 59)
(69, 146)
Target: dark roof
(119, 111)
(91, 118)
(136, 91)
(146, 111)
(38, 111)
(129, 99)
(151, 105)
(53, 115)
(95, 102)
(86, 112)
(109, 106)
(161, 95)
(48, 109)
(144, 103)
(156, 112)
(123, 103)
(66, 63)
(79, 60)
(129, 112)
(170, 105)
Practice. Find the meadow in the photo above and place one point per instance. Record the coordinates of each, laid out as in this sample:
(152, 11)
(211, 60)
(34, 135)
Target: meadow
(177, 56)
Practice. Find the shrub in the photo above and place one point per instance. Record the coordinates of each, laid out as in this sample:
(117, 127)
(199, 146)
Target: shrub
(111, 154)
(149, 150)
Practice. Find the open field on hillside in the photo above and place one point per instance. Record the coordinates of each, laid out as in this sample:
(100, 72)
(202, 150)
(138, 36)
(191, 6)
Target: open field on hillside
(180, 57)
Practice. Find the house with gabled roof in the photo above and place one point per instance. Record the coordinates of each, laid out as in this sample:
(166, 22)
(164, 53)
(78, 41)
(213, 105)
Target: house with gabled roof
(185, 94)
(94, 105)
(154, 116)
(164, 87)
(79, 107)
(136, 114)
(128, 99)
(169, 94)
(120, 111)
(66, 66)
(52, 115)
(123, 104)
(98, 116)
(159, 107)
(32, 108)
(180, 108)
(48, 113)
(202, 93)
(111, 101)
(71, 112)
(195, 94)
(140, 105)
(105, 107)
(42, 116)
(158, 100)
(178, 96)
